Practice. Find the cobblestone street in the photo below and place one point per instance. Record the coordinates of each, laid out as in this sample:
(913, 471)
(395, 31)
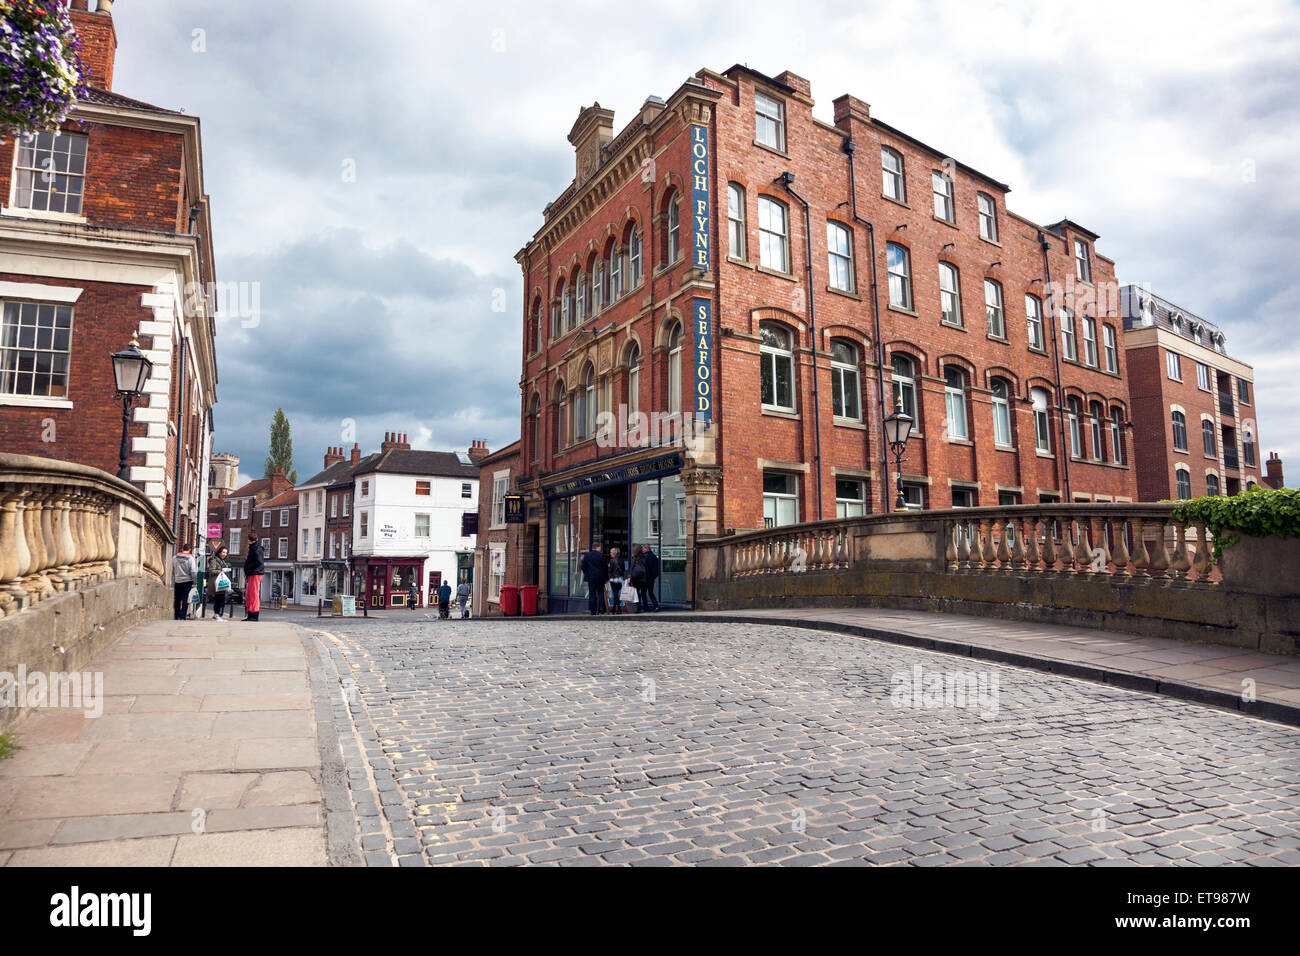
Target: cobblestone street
(648, 742)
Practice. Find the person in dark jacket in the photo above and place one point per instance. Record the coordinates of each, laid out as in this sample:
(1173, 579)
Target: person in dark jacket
(651, 561)
(444, 600)
(216, 567)
(636, 574)
(254, 566)
(617, 575)
(595, 571)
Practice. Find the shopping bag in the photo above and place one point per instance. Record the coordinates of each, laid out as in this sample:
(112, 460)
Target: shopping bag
(223, 582)
(629, 594)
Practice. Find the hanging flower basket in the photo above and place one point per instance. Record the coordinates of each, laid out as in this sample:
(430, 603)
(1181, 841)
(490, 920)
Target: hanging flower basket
(40, 65)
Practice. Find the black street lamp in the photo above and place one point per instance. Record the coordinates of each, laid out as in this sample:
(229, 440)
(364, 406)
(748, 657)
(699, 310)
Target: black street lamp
(131, 369)
(898, 428)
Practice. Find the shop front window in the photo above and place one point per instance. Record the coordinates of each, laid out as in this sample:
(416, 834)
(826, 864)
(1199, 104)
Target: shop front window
(561, 556)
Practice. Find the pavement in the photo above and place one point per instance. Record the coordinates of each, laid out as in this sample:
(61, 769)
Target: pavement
(790, 737)
(206, 754)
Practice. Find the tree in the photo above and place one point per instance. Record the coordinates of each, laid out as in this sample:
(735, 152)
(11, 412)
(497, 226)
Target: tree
(281, 448)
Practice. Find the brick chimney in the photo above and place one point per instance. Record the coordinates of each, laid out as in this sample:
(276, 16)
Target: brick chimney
(333, 456)
(279, 483)
(592, 130)
(796, 81)
(395, 441)
(477, 450)
(1273, 478)
(98, 39)
(355, 457)
(850, 108)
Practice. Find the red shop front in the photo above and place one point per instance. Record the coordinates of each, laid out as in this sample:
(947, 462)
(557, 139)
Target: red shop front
(388, 582)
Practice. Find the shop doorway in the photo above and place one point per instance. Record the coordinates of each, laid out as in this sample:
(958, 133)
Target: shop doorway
(609, 524)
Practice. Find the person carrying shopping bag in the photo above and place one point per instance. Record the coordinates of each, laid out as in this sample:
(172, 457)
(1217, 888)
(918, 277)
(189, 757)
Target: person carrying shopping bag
(218, 585)
(254, 566)
(182, 582)
(617, 575)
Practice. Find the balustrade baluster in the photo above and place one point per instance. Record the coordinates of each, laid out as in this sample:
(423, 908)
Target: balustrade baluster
(1032, 553)
(1204, 554)
(1160, 556)
(1181, 563)
(1067, 546)
(1121, 555)
(963, 547)
(1049, 545)
(1141, 557)
(950, 552)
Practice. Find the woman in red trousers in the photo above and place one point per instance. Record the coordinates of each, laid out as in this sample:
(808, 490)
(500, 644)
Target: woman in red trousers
(253, 568)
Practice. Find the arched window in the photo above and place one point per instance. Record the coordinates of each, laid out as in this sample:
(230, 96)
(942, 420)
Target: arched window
(561, 413)
(1211, 484)
(954, 390)
(949, 294)
(1183, 477)
(580, 295)
(675, 368)
(1001, 412)
(1117, 435)
(735, 221)
(572, 301)
(1042, 423)
(845, 383)
(1180, 431)
(556, 328)
(1034, 317)
(534, 428)
(777, 360)
(598, 284)
(1095, 415)
(674, 231)
(993, 306)
(535, 327)
(615, 273)
(1207, 438)
(891, 172)
(988, 213)
(839, 255)
(773, 234)
(1075, 411)
(565, 315)
(584, 408)
(633, 380)
(900, 276)
(634, 254)
(607, 295)
(905, 385)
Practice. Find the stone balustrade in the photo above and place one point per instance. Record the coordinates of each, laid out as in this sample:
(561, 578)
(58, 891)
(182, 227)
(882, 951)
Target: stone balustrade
(1126, 567)
(67, 527)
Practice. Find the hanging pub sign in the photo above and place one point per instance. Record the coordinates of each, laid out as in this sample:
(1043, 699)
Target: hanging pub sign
(702, 333)
(700, 217)
(468, 524)
(514, 509)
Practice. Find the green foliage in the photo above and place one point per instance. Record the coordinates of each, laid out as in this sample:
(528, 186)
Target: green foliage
(281, 448)
(6, 747)
(1260, 512)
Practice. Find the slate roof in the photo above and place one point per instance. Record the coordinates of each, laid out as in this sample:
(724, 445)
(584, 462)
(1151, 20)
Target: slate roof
(108, 98)
(399, 461)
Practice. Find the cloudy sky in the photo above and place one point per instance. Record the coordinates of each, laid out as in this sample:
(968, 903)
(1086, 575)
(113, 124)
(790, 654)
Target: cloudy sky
(375, 167)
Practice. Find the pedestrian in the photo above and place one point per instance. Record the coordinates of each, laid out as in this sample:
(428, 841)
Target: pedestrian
(444, 601)
(218, 569)
(413, 595)
(182, 582)
(651, 577)
(617, 575)
(254, 566)
(462, 597)
(595, 572)
(638, 577)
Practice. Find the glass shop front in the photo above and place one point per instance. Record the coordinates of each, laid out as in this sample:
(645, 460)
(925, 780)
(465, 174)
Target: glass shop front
(624, 508)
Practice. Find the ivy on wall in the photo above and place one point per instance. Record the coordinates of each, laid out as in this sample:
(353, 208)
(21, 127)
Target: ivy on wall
(1260, 512)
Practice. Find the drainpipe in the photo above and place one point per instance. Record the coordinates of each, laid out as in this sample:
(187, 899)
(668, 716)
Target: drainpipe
(1056, 363)
(785, 179)
(880, 347)
(180, 444)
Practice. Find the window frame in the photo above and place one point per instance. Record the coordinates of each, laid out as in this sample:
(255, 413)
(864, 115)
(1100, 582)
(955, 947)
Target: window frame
(904, 277)
(995, 311)
(1179, 427)
(769, 356)
(947, 195)
(903, 385)
(846, 381)
(1082, 262)
(1110, 347)
(1001, 407)
(776, 119)
(839, 262)
(1069, 343)
(768, 237)
(848, 503)
(949, 271)
(790, 497)
(1090, 357)
(955, 402)
(675, 337)
(1034, 322)
(737, 240)
(1173, 366)
(989, 216)
(1042, 419)
(896, 177)
(38, 171)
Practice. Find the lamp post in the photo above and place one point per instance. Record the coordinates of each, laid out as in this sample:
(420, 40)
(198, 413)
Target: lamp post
(131, 369)
(898, 428)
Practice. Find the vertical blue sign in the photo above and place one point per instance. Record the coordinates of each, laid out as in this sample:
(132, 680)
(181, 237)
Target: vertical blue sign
(701, 333)
(700, 197)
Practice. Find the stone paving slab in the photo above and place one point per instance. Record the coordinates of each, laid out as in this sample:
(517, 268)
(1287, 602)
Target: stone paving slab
(206, 754)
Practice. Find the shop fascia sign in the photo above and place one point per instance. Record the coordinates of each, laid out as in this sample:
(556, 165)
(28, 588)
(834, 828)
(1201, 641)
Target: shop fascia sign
(596, 479)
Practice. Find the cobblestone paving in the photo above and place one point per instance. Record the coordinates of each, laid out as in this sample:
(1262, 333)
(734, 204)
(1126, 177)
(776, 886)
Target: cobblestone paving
(503, 743)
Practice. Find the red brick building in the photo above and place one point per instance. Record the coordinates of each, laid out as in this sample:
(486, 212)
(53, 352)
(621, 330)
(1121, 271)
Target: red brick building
(1194, 415)
(276, 521)
(505, 553)
(729, 257)
(104, 235)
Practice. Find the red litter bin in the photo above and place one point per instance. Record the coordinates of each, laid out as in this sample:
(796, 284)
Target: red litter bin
(528, 599)
(509, 600)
